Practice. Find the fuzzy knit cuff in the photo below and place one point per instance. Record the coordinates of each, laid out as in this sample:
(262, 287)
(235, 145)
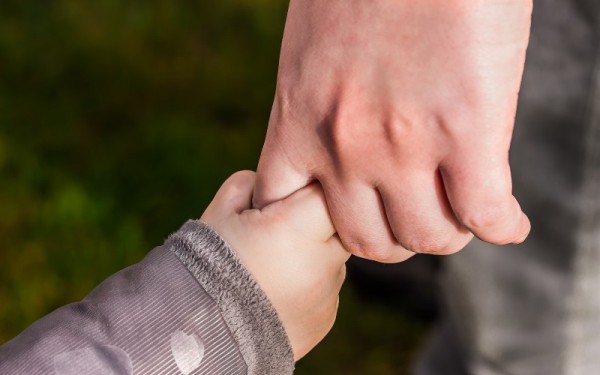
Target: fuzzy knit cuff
(245, 308)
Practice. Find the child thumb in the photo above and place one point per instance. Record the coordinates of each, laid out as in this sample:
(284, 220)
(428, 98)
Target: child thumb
(234, 196)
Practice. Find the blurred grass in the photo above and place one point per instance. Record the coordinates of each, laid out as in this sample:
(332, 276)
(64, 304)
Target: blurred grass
(118, 121)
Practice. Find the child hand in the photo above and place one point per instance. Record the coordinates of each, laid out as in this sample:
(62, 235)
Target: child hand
(291, 249)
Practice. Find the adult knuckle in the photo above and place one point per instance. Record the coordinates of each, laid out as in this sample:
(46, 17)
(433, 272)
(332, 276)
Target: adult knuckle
(479, 220)
(428, 244)
(369, 249)
(492, 225)
(498, 237)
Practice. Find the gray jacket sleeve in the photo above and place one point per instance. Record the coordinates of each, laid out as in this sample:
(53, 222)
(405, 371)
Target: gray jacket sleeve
(189, 307)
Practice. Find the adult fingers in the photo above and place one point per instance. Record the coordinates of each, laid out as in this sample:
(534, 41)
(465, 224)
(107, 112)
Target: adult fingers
(234, 196)
(276, 177)
(360, 219)
(420, 216)
(480, 192)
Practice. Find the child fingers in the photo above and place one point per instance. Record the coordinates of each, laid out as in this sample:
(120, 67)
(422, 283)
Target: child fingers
(233, 197)
(305, 211)
(335, 256)
(336, 250)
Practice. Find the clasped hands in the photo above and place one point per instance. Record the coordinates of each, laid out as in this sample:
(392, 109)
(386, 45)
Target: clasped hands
(403, 111)
(389, 136)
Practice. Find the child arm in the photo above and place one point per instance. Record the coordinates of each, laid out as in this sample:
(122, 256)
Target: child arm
(191, 305)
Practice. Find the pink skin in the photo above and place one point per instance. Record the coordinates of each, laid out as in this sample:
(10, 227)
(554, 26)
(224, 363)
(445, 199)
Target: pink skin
(403, 110)
(291, 249)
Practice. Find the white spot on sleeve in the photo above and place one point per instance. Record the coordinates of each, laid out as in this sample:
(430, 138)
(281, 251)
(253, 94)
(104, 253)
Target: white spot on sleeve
(188, 351)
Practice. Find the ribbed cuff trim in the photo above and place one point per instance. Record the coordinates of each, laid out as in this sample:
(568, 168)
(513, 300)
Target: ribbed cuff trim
(249, 314)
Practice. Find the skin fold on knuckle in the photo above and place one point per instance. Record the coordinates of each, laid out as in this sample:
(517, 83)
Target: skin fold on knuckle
(494, 225)
(373, 250)
(428, 244)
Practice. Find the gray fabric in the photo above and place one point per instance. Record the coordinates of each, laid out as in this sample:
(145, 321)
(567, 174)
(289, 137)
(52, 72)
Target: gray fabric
(135, 313)
(583, 330)
(93, 360)
(259, 332)
(443, 354)
(155, 318)
(535, 308)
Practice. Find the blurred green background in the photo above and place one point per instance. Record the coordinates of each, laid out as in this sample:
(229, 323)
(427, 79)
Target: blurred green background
(118, 121)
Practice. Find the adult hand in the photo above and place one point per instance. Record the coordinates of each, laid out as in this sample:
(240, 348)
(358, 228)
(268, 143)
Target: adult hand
(403, 110)
(291, 250)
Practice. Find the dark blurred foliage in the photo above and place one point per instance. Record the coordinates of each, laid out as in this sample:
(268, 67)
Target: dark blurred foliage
(118, 121)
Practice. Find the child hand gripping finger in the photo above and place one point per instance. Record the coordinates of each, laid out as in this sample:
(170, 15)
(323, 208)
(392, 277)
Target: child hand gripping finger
(246, 292)
(291, 249)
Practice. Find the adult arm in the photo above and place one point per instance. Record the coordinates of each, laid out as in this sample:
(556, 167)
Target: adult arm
(403, 110)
